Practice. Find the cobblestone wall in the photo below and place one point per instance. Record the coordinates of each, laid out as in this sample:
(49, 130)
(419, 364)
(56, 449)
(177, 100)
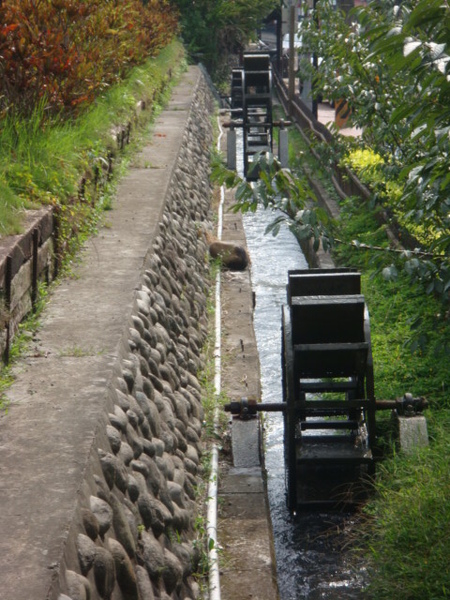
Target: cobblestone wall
(134, 537)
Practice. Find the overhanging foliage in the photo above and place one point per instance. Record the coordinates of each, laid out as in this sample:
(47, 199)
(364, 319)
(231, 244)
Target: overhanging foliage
(390, 61)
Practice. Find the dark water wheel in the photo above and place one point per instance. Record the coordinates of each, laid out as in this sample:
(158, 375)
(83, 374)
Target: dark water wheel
(328, 388)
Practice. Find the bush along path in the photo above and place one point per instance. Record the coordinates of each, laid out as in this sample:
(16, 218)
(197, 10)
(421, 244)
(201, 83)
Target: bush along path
(101, 448)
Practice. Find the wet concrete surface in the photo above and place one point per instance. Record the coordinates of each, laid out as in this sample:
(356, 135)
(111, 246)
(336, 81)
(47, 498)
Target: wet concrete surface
(247, 567)
(247, 564)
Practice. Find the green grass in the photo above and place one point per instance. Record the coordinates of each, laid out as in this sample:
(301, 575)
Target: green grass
(406, 533)
(42, 160)
(11, 206)
(394, 307)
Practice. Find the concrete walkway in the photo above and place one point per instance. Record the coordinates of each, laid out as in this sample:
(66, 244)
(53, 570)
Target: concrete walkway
(57, 401)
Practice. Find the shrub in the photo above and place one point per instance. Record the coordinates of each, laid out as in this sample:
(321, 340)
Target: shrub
(66, 51)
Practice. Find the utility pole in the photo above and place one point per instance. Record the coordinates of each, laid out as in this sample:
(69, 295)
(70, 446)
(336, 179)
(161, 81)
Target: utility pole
(279, 35)
(315, 105)
(292, 50)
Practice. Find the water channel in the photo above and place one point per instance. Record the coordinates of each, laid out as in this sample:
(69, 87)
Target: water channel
(313, 561)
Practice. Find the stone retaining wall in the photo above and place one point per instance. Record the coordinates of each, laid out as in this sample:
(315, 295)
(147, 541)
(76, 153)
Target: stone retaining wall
(25, 260)
(133, 534)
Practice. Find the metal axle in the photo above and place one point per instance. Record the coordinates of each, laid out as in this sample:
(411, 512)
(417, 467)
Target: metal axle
(240, 123)
(406, 406)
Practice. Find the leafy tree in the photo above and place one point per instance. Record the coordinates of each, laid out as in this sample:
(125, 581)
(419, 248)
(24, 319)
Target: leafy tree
(390, 62)
(415, 46)
(213, 30)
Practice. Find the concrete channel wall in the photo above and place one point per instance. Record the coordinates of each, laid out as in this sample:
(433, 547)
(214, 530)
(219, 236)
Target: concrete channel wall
(100, 452)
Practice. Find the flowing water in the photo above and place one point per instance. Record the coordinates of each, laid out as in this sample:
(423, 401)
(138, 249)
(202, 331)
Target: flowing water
(313, 561)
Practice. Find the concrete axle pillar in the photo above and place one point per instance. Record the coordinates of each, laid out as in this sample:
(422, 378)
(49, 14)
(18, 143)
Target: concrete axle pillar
(283, 148)
(231, 149)
(412, 432)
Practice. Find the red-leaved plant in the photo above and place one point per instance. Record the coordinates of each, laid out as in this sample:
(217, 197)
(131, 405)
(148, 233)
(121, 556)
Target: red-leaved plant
(67, 51)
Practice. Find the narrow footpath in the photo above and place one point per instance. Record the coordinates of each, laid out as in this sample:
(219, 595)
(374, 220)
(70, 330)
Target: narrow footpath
(61, 397)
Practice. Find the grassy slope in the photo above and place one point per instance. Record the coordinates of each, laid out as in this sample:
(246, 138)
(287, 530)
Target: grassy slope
(42, 161)
(63, 152)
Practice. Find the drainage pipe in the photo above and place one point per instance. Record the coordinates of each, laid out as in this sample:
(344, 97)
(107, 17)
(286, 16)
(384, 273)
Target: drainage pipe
(211, 518)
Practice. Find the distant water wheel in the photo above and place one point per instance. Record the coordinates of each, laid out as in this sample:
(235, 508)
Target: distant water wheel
(237, 93)
(251, 106)
(257, 109)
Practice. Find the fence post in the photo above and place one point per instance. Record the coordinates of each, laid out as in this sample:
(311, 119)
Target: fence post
(34, 267)
(56, 243)
(7, 284)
